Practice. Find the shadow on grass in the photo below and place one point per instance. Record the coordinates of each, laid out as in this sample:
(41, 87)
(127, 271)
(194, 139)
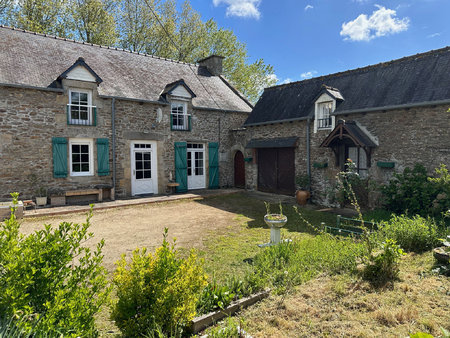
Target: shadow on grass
(254, 209)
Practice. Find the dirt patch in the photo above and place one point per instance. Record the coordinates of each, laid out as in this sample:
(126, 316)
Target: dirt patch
(126, 229)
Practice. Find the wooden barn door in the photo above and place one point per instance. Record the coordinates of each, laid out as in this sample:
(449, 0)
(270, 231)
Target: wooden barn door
(239, 170)
(276, 170)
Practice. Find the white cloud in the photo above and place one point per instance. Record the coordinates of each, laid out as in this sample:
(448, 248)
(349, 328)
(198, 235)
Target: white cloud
(241, 8)
(382, 22)
(308, 75)
(286, 80)
(308, 7)
(433, 35)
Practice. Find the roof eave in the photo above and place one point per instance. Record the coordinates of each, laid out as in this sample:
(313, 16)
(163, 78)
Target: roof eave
(392, 107)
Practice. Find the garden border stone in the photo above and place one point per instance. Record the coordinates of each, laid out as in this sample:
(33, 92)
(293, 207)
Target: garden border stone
(200, 323)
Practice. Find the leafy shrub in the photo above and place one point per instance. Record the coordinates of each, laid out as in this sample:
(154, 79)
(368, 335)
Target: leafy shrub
(414, 192)
(214, 297)
(382, 266)
(415, 234)
(157, 292)
(49, 274)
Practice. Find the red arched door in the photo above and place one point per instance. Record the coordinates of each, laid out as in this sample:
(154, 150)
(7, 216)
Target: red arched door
(239, 170)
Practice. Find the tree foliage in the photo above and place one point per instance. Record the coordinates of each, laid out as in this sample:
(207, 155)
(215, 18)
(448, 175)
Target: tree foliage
(156, 27)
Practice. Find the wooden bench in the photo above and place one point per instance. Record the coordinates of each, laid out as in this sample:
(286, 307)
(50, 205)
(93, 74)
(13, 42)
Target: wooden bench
(98, 192)
(171, 186)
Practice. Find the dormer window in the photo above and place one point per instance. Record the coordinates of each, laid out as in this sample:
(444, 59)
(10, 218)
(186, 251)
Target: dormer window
(324, 119)
(80, 110)
(180, 119)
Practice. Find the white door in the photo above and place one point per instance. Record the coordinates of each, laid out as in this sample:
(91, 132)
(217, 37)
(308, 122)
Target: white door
(143, 168)
(196, 166)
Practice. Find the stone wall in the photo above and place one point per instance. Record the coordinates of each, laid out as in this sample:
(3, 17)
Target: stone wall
(28, 121)
(30, 118)
(406, 137)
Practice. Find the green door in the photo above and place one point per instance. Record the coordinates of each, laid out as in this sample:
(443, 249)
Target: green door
(213, 165)
(181, 166)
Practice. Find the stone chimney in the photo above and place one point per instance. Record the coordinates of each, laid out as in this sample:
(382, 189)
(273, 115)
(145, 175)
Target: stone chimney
(213, 63)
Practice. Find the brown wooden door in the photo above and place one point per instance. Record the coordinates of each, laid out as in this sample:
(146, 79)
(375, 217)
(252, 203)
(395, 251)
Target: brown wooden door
(239, 170)
(276, 170)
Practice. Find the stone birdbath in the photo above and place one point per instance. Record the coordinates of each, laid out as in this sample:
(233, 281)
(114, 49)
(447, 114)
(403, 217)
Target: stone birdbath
(442, 254)
(275, 222)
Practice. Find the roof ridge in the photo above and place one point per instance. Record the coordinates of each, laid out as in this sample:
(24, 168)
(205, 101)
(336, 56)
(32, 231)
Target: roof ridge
(95, 45)
(365, 68)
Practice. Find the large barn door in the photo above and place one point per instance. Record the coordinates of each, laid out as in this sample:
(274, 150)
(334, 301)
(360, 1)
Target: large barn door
(276, 170)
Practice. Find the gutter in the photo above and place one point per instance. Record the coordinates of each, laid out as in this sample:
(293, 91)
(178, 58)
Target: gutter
(308, 152)
(399, 106)
(113, 130)
(57, 90)
(134, 100)
(277, 121)
(221, 110)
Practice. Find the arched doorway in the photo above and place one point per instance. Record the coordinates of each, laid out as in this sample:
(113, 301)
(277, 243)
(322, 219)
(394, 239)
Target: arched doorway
(239, 170)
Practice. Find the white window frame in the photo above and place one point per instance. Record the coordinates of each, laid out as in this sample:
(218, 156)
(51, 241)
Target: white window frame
(319, 104)
(185, 115)
(89, 120)
(82, 141)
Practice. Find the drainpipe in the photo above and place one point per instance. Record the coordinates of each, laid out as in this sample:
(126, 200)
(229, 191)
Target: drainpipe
(308, 151)
(113, 130)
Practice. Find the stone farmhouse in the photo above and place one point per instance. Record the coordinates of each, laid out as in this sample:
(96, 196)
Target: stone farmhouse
(91, 118)
(383, 117)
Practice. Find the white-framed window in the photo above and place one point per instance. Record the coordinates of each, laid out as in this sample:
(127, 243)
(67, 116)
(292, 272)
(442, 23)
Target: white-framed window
(81, 157)
(359, 158)
(180, 119)
(80, 109)
(324, 118)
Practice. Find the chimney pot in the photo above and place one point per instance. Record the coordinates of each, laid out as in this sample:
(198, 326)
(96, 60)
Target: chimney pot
(213, 63)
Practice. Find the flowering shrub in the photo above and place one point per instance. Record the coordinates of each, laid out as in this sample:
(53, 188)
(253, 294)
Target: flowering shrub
(414, 192)
(157, 292)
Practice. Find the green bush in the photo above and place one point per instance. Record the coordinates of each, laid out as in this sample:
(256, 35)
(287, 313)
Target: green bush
(414, 192)
(50, 275)
(382, 266)
(157, 292)
(415, 234)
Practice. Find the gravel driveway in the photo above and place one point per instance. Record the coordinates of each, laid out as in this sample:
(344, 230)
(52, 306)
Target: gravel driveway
(125, 229)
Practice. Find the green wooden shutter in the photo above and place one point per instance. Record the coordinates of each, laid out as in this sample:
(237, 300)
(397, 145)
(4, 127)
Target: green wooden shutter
(102, 156)
(59, 146)
(213, 165)
(181, 166)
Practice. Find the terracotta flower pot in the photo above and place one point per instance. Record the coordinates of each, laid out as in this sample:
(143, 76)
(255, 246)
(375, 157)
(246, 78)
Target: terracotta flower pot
(302, 196)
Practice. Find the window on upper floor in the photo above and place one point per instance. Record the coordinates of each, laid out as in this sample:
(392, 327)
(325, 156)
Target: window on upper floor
(180, 119)
(80, 110)
(81, 157)
(323, 115)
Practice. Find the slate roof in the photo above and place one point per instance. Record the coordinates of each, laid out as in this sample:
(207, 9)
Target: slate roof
(414, 80)
(35, 60)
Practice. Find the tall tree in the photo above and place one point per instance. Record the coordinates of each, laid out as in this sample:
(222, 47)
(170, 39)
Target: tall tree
(93, 22)
(5, 5)
(182, 35)
(41, 16)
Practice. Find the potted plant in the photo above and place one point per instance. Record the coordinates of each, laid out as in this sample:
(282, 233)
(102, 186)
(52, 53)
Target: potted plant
(41, 196)
(40, 192)
(302, 194)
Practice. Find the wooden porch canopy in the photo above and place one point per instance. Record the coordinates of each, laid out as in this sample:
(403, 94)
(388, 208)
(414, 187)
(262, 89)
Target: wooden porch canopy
(347, 133)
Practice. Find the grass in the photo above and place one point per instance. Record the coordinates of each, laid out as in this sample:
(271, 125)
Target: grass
(328, 302)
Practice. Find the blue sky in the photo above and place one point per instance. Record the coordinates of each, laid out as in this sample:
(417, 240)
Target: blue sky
(304, 38)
